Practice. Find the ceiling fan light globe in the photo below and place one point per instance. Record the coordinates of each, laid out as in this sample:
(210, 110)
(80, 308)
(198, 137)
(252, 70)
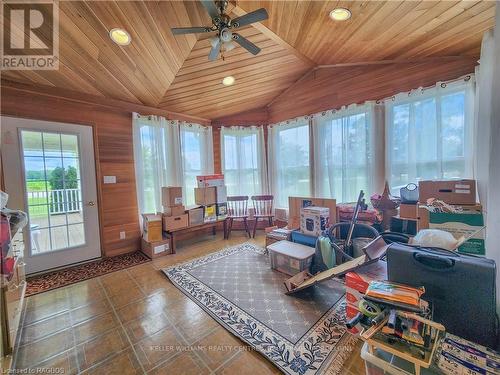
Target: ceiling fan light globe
(229, 46)
(226, 35)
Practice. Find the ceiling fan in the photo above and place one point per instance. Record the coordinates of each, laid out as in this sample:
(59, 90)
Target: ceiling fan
(223, 25)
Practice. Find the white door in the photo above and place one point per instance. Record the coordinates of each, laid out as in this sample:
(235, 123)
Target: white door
(49, 172)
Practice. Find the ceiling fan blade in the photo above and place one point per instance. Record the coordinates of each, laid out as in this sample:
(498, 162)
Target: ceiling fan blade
(252, 17)
(214, 52)
(211, 8)
(245, 43)
(190, 30)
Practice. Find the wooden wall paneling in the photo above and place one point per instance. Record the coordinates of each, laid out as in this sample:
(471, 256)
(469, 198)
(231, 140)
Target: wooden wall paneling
(333, 88)
(257, 116)
(217, 149)
(113, 153)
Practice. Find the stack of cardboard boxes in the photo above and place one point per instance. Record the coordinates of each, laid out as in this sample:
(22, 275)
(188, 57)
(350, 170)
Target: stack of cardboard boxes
(174, 216)
(211, 196)
(468, 223)
(153, 243)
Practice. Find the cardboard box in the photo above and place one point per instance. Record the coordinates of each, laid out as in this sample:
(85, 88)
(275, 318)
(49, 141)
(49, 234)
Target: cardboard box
(458, 224)
(210, 180)
(151, 227)
(210, 214)
(171, 196)
(451, 192)
(157, 248)
(296, 203)
(220, 194)
(221, 210)
(205, 196)
(174, 210)
(314, 220)
(195, 215)
(408, 211)
(171, 223)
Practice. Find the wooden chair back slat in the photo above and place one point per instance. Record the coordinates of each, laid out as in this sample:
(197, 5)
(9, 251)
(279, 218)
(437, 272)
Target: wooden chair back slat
(263, 205)
(237, 206)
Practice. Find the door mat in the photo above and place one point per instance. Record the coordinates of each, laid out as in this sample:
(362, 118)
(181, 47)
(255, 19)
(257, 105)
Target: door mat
(57, 279)
(300, 334)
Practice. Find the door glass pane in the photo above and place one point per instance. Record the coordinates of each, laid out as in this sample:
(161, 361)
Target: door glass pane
(53, 188)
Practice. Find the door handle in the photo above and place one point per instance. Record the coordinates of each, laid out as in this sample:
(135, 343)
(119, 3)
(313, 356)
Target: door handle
(91, 203)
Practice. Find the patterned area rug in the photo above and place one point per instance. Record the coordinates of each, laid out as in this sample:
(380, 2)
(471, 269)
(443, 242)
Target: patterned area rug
(301, 334)
(67, 276)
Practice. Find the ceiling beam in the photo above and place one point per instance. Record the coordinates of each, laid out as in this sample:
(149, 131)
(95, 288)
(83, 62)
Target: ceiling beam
(238, 11)
(291, 87)
(398, 61)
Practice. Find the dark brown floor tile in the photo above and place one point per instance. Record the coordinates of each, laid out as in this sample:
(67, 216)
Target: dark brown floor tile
(146, 325)
(95, 327)
(85, 293)
(218, 347)
(142, 270)
(195, 326)
(159, 347)
(148, 305)
(248, 362)
(123, 363)
(38, 351)
(51, 306)
(126, 296)
(46, 327)
(63, 363)
(94, 351)
(185, 363)
(90, 311)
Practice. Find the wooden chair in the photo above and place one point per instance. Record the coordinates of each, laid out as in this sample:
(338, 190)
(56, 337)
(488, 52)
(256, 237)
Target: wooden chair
(263, 206)
(237, 209)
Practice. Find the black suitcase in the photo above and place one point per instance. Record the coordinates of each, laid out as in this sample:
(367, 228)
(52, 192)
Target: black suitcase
(460, 287)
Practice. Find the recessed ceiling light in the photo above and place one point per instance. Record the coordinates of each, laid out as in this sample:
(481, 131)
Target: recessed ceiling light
(340, 14)
(228, 81)
(120, 37)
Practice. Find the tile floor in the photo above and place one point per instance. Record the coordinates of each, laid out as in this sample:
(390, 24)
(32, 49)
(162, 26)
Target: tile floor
(135, 321)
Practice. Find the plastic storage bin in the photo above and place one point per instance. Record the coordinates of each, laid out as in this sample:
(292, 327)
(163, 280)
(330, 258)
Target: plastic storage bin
(383, 363)
(289, 257)
(303, 239)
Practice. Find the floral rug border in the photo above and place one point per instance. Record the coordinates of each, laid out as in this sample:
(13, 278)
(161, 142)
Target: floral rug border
(317, 350)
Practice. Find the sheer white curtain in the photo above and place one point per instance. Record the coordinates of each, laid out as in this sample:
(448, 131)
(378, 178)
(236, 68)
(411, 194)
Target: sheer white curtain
(157, 158)
(244, 160)
(430, 133)
(344, 149)
(197, 156)
(289, 160)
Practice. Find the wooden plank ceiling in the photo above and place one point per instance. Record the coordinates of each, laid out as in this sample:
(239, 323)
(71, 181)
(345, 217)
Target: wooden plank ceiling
(172, 72)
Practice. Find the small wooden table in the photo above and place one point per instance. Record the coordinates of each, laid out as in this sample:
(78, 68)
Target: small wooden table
(174, 234)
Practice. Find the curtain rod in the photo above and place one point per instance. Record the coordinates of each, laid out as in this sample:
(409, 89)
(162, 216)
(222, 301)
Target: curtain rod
(443, 84)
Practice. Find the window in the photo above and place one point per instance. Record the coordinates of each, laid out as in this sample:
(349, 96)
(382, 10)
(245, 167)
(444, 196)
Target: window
(157, 159)
(429, 135)
(289, 161)
(342, 154)
(243, 160)
(197, 157)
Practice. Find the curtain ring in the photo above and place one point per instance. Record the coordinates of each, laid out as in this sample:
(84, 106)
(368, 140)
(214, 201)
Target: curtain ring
(467, 78)
(443, 85)
(393, 98)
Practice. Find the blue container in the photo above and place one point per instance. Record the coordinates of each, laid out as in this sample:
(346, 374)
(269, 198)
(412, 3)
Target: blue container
(303, 239)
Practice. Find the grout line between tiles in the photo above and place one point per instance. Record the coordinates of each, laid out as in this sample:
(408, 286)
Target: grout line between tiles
(122, 327)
